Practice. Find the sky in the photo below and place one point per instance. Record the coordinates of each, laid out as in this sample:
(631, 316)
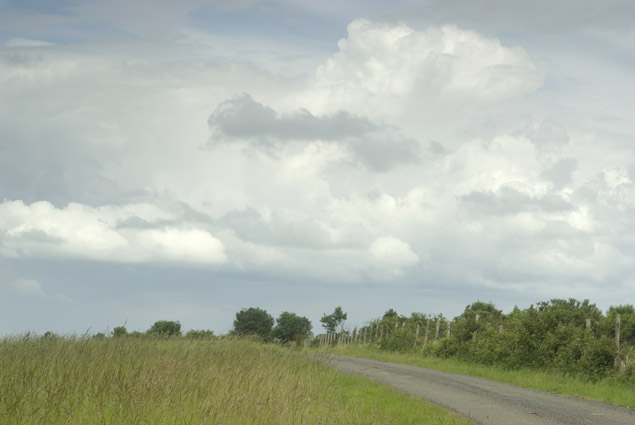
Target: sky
(182, 160)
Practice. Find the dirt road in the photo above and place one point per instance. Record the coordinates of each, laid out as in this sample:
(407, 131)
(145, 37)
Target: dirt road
(487, 402)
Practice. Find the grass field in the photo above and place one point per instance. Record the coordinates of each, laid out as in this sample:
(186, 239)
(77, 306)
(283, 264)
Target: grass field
(609, 390)
(179, 381)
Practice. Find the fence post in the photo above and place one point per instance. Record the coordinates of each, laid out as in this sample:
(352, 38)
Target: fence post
(436, 332)
(617, 341)
(476, 320)
(425, 336)
(417, 335)
(364, 336)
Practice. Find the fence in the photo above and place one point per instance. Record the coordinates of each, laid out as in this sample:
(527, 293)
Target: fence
(378, 332)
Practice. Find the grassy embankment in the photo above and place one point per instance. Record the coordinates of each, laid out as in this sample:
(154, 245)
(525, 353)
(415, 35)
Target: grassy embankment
(608, 390)
(180, 381)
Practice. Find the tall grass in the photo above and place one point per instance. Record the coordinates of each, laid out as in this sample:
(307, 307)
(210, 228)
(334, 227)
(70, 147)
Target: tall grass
(179, 381)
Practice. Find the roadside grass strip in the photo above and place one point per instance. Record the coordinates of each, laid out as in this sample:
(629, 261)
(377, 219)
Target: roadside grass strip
(611, 390)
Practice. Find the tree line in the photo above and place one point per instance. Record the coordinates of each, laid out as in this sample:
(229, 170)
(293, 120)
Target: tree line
(252, 321)
(568, 336)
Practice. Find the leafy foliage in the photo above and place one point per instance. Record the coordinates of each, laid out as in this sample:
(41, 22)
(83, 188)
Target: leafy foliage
(551, 335)
(119, 331)
(253, 321)
(200, 334)
(334, 320)
(390, 314)
(165, 328)
(291, 327)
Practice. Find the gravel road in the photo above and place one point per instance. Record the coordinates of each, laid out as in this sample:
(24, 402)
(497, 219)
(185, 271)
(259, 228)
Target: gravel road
(487, 402)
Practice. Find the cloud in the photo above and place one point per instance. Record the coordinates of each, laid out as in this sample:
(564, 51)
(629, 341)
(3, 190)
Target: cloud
(244, 118)
(29, 287)
(378, 147)
(560, 173)
(25, 42)
(531, 17)
(78, 231)
(508, 200)
(394, 252)
(430, 158)
(384, 66)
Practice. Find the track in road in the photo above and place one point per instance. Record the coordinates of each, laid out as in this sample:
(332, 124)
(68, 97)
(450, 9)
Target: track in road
(487, 402)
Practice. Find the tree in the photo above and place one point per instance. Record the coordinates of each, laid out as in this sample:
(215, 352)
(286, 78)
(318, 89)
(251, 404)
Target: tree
(331, 321)
(119, 331)
(390, 314)
(165, 328)
(291, 327)
(253, 321)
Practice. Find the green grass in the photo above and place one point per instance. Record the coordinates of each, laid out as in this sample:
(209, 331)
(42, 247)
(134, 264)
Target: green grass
(179, 381)
(610, 390)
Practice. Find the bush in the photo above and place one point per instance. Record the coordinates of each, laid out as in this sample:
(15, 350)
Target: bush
(119, 331)
(200, 334)
(165, 328)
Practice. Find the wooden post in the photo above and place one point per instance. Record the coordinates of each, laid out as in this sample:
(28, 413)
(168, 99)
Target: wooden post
(588, 325)
(417, 335)
(425, 336)
(364, 336)
(617, 341)
(476, 320)
(377, 332)
(436, 332)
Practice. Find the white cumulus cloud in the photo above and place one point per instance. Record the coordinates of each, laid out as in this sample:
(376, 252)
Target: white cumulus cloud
(393, 252)
(378, 65)
(105, 233)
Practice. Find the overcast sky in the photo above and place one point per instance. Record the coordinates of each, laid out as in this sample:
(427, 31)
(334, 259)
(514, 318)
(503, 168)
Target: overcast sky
(181, 160)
